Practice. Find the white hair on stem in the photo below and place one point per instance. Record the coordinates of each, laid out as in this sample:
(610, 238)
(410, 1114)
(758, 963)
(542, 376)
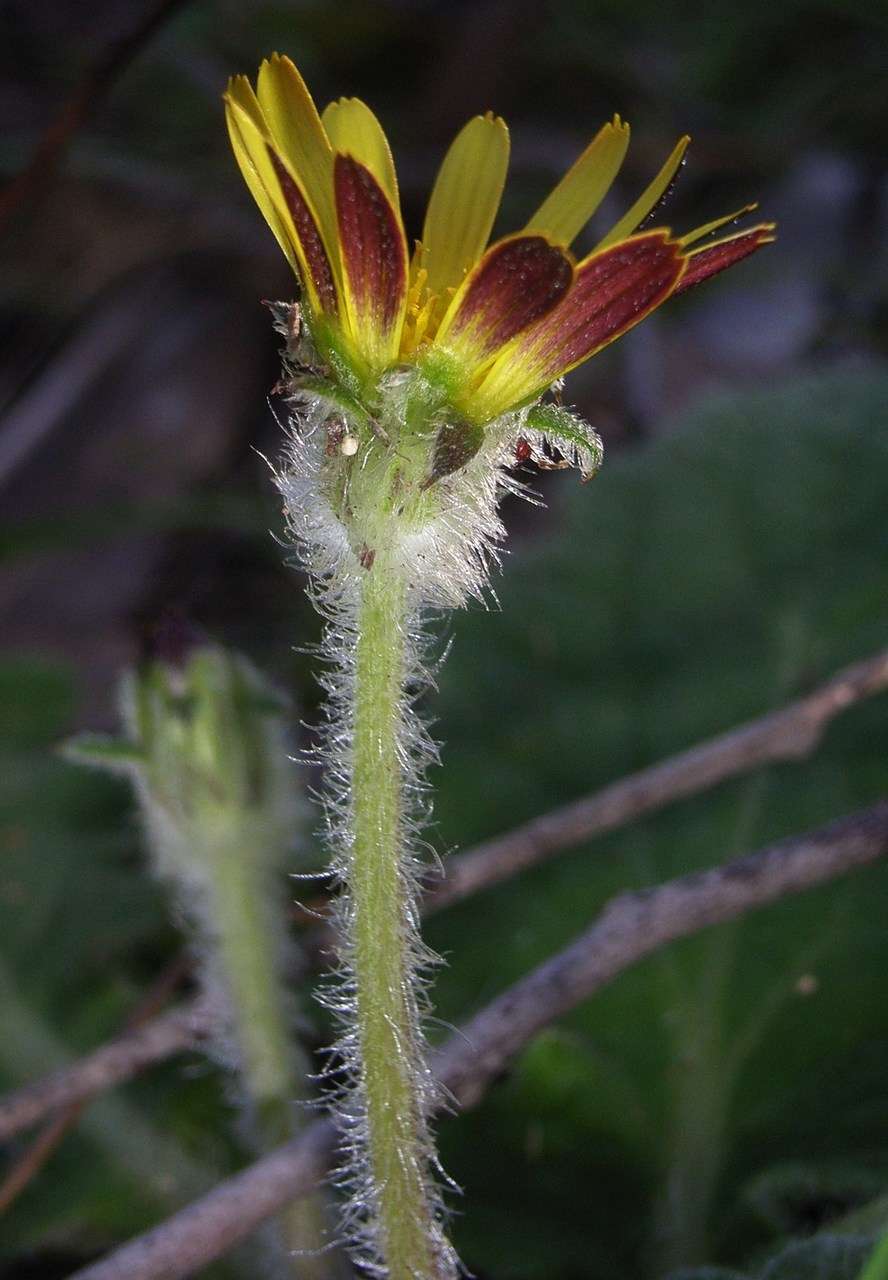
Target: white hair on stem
(395, 573)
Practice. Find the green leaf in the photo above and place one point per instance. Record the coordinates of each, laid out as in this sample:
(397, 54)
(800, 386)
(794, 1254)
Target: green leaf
(821, 1258)
(797, 1197)
(116, 754)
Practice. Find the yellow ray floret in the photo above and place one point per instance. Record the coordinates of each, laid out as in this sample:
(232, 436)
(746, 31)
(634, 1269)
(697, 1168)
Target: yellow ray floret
(649, 198)
(354, 130)
(284, 200)
(566, 211)
(299, 136)
(464, 204)
(708, 227)
(283, 233)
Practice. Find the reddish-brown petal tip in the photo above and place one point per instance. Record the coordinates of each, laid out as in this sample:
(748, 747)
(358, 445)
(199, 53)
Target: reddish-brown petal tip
(724, 253)
(515, 284)
(614, 289)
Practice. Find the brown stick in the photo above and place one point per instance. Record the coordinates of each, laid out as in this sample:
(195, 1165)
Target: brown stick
(94, 84)
(787, 734)
(630, 927)
(112, 1063)
(55, 1130)
(37, 1153)
(634, 924)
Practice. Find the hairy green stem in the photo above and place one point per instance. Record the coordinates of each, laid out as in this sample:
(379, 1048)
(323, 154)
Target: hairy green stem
(248, 945)
(382, 944)
(248, 942)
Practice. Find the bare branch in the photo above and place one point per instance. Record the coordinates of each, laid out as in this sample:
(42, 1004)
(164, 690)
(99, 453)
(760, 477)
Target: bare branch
(112, 1063)
(788, 734)
(629, 928)
(634, 924)
(62, 1121)
(36, 1155)
(211, 1226)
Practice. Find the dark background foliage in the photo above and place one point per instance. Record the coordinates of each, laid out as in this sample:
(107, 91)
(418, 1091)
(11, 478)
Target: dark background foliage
(726, 1096)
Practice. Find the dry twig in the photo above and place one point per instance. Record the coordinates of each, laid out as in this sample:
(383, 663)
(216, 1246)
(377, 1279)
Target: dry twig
(788, 734)
(60, 1124)
(629, 928)
(112, 1063)
(37, 1153)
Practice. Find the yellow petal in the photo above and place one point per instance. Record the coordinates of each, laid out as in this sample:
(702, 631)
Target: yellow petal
(354, 130)
(464, 202)
(240, 92)
(699, 232)
(314, 264)
(299, 138)
(579, 193)
(257, 189)
(649, 198)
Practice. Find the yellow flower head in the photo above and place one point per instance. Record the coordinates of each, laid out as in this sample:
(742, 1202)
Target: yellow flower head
(500, 322)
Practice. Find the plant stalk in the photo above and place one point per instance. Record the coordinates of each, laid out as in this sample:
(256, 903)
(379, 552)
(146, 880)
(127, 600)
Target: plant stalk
(384, 943)
(248, 946)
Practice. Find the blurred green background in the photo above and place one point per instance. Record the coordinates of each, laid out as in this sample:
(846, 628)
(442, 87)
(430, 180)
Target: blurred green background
(727, 1096)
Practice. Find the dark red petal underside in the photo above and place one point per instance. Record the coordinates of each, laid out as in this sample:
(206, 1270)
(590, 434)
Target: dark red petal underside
(374, 251)
(516, 283)
(708, 262)
(612, 291)
(309, 236)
